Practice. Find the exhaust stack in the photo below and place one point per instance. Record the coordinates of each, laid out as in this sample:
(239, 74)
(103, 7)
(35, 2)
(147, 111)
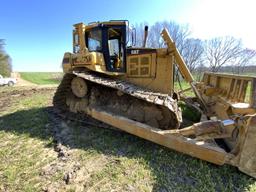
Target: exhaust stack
(145, 36)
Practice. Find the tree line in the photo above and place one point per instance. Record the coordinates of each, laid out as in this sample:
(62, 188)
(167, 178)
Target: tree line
(5, 61)
(213, 54)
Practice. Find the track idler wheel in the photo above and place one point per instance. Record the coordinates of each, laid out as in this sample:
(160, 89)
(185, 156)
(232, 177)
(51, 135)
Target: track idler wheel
(79, 87)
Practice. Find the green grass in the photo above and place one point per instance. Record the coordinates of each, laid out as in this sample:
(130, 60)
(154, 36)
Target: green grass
(109, 160)
(183, 85)
(42, 78)
(23, 150)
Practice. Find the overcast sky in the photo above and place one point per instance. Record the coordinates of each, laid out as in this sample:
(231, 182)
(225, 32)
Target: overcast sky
(38, 32)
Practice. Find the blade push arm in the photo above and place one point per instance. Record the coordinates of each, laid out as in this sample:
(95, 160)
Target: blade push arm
(180, 62)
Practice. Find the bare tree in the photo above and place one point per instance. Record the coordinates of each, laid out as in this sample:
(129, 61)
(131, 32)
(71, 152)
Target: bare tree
(221, 51)
(192, 53)
(246, 57)
(178, 33)
(154, 38)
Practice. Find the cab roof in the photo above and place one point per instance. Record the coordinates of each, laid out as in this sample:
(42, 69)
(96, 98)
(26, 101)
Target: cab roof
(96, 24)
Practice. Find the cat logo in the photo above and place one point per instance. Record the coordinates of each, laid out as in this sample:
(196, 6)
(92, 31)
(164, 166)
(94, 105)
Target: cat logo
(134, 52)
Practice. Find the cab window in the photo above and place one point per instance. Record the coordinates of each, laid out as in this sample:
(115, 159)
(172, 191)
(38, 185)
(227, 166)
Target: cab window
(115, 50)
(95, 40)
(113, 47)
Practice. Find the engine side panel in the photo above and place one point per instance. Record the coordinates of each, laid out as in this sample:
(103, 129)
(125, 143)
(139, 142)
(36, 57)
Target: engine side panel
(151, 70)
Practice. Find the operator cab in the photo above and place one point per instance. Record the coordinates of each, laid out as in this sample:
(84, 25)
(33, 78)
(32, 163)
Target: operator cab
(109, 38)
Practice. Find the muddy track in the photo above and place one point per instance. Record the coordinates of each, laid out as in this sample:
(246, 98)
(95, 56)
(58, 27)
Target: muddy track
(62, 139)
(74, 174)
(118, 97)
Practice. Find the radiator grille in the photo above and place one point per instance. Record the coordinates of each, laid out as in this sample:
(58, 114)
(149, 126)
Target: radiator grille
(139, 65)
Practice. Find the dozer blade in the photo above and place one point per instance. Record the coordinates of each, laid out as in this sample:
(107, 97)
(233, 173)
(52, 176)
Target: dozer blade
(245, 160)
(199, 149)
(247, 156)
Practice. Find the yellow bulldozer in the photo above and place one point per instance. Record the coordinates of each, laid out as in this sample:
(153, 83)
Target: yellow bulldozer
(132, 88)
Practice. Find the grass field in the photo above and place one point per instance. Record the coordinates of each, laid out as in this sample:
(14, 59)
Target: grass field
(42, 78)
(94, 159)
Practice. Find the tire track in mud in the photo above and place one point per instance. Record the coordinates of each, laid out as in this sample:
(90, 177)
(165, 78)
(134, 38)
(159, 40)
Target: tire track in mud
(74, 174)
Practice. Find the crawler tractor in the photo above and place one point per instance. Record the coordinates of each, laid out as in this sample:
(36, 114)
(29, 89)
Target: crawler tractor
(132, 88)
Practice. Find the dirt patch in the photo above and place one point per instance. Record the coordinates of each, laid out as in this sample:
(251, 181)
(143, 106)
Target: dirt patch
(20, 93)
(20, 81)
(24, 83)
(8, 97)
(75, 176)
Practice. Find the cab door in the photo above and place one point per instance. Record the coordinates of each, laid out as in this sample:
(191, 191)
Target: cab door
(115, 53)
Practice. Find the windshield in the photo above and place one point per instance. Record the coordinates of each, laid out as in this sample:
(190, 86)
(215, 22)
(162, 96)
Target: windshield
(95, 40)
